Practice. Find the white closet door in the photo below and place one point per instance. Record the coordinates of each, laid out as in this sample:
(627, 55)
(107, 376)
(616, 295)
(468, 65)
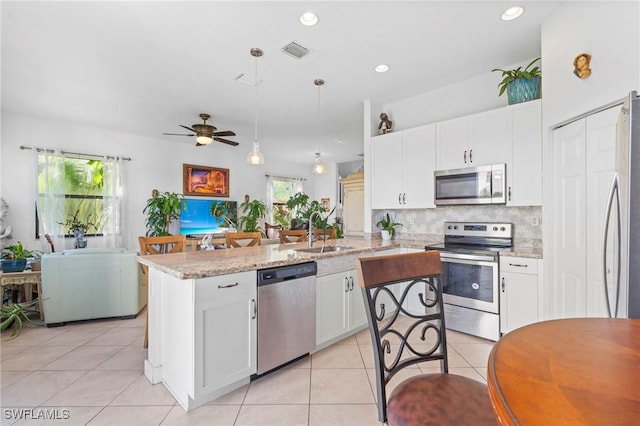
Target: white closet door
(569, 220)
(601, 146)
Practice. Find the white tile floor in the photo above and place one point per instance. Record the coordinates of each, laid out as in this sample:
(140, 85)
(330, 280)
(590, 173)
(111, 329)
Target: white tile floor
(95, 371)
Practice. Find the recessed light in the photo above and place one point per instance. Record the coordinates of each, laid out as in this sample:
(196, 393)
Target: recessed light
(512, 13)
(382, 68)
(308, 19)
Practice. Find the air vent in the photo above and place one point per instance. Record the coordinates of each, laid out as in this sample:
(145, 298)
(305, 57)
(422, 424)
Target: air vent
(296, 50)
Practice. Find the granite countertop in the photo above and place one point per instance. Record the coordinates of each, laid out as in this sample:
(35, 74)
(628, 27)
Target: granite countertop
(201, 264)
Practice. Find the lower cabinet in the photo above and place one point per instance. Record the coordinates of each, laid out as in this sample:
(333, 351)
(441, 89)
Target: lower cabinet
(339, 306)
(519, 292)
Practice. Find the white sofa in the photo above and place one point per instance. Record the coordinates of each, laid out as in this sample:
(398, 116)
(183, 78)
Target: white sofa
(88, 283)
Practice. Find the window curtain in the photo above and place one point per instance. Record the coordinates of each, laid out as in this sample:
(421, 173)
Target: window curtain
(114, 230)
(270, 200)
(49, 167)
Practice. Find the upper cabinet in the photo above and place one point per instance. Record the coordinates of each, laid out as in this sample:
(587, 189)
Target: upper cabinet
(474, 140)
(524, 177)
(403, 166)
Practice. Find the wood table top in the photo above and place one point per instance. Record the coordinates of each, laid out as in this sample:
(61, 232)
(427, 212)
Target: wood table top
(568, 372)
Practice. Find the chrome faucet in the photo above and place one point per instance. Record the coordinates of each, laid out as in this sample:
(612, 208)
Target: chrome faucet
(310, 235)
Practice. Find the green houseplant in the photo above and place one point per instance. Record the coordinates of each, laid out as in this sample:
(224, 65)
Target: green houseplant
(14, 258)
(388, 227)
(14, 315)
(254, 211)
(521, 85)
(161, 209)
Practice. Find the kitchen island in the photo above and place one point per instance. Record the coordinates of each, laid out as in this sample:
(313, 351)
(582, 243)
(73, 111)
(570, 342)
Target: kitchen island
(203, 306)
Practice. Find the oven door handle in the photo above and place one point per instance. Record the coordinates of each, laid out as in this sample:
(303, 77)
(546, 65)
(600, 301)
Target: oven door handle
(447, 257)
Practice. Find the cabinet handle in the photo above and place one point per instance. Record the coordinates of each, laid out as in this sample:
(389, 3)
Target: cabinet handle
(228, 285)
(346, 285)
(503, 284)
(399, 198)
(351, 279)
(509, 193)
(519, 265)
(465, 156)
(404, 201)
(470, 156)
(255, 309)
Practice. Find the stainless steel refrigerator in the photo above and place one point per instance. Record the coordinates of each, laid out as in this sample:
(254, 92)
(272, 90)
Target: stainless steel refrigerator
(621, 240)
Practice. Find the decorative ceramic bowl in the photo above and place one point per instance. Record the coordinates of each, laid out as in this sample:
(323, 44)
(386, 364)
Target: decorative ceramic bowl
(13, 265)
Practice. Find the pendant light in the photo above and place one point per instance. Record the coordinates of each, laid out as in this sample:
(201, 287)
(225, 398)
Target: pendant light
(318, 167)
(255, 156)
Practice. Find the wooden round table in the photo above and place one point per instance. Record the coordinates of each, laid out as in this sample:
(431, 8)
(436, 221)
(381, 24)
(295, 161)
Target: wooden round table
(568, 372)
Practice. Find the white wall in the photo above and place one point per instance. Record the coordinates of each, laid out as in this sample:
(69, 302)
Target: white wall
(609, 32)
(156, 164)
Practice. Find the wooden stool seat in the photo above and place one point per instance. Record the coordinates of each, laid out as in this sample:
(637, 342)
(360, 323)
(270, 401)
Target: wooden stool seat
(440, 399)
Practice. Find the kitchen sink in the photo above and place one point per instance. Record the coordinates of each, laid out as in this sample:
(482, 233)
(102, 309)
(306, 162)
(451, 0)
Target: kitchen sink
(325, 249)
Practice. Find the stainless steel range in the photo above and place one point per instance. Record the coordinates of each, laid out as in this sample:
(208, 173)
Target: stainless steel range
(469, 257)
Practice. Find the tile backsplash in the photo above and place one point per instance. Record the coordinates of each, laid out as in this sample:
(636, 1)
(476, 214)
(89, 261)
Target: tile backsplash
(427, 224)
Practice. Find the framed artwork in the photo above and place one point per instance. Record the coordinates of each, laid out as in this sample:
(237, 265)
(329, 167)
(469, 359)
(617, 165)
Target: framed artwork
(205, 181)
(326, 204)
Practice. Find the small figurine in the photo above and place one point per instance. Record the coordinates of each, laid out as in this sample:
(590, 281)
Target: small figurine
(5, 230)
(581, 65)
(385, 125)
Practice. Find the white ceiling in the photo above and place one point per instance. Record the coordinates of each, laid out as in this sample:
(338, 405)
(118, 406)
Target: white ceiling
(145, 67)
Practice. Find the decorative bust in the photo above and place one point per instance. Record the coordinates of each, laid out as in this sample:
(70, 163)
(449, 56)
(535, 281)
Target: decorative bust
(5, 230)
(385, 125)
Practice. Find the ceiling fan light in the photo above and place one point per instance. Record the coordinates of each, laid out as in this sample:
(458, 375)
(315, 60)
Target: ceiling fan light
(204, 140)
(255, 156)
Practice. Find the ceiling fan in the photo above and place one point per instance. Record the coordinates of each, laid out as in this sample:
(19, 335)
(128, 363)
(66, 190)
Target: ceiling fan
(206, 133)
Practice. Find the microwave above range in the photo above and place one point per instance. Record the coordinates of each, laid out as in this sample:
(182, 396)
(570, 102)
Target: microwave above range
(471, 186)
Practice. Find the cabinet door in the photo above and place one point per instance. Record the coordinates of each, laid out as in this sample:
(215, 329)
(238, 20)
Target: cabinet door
(490, 141)
(569, 220)
(357, 313)
(387, 170)
(452, 144)
(332, 296)
(600, 151)
(524, 177)
(225, 330)
(518, 300)
(419, 149)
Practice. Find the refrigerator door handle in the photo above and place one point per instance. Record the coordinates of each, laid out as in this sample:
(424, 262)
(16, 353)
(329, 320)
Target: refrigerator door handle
(619, 245)
(613, 192)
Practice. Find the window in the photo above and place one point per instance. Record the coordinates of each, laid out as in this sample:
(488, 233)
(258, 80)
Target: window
(83, 195)
(281, 190)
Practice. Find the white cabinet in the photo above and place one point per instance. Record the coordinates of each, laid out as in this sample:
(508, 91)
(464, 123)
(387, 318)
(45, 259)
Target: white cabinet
(474, 140)
(402, 168)
(225, 330)
(339, 305)
(519, 292)
(524, 176)
(583, 165)
(353, 205)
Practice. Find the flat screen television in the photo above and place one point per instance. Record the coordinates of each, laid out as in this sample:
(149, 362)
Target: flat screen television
(197, 218)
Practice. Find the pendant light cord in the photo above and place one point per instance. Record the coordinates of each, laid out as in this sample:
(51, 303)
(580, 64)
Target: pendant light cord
(255, 109)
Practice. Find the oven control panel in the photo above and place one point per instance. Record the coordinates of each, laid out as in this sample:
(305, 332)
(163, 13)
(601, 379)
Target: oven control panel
(480, 229)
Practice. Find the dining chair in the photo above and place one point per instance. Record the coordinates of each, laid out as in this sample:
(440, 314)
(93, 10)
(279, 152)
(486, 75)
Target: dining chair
(326, 233)
(158, 245)
(293, 235)
(243, 239)
(401, 339)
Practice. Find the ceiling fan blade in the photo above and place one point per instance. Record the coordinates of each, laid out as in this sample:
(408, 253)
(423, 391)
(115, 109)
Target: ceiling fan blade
(224, 133)
(188, 128)
(199, 144)
(177, 134)
(226, 141)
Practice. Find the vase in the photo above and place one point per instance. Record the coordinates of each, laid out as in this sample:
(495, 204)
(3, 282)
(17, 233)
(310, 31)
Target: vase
(523, 90)
(386, 235)
(13, 265)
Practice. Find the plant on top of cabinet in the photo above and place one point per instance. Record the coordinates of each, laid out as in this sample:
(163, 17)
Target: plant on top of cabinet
(521, 85)
(161, 209)
(388, 227)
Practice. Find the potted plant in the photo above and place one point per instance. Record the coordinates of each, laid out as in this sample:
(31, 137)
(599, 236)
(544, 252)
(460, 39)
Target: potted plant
(14, 258)
(521, 85)
(14, 315)
(161, 209)
(298, 204)
(79, 228)
(388, 227)
(254, 211)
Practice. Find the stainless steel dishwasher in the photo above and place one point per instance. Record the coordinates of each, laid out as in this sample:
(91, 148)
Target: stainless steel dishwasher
(286, 314)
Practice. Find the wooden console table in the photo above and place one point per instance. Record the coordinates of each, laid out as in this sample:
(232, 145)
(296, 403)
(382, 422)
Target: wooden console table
(25, 280)
(567, 372)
